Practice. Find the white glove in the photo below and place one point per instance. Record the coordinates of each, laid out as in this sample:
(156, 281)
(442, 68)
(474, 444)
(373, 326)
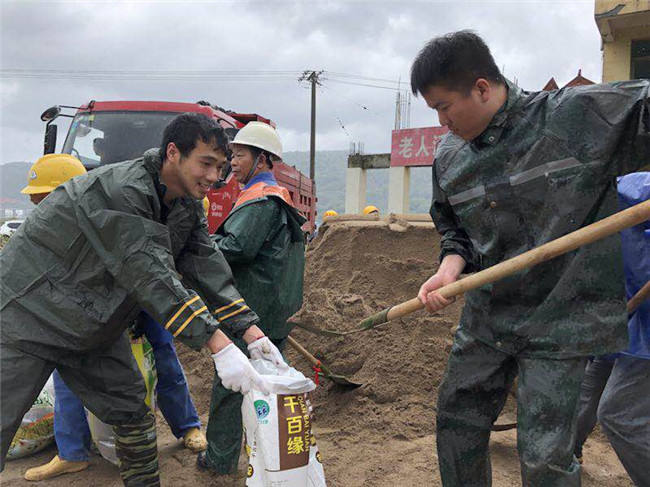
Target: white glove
(263, 348)
(236, 372)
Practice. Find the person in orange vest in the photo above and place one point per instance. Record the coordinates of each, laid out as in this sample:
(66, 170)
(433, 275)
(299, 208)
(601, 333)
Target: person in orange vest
(262, 240)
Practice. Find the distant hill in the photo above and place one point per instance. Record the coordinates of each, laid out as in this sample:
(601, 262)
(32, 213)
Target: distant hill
(13, 177)
(330, 183)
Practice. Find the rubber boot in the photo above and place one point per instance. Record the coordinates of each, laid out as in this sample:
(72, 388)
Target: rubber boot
(194, 440)
(54, 468)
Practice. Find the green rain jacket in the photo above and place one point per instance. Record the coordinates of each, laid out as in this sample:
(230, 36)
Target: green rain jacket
(544, 167)
(262, 240)
(102, 247)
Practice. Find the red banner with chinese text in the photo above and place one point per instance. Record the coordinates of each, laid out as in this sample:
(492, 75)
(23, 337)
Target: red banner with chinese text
(415, 147)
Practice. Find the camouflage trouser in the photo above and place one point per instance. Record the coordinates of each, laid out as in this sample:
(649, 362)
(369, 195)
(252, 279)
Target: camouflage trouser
(473, 392)
(137, 452)
(224, 432)
(108, 383)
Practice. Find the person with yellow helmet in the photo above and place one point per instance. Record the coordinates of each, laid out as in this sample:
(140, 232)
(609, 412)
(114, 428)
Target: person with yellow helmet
(71, 431)
(262, 240)
(330, 213)
(48, 172)
(371, 210)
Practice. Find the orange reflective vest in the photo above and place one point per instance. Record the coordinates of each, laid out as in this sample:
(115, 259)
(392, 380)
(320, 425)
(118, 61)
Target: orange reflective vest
(261, 190)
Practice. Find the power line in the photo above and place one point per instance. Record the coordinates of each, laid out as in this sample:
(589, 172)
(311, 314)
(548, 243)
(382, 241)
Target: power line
(331, 90)
(356, 76)
(364, 84)
(133, 75)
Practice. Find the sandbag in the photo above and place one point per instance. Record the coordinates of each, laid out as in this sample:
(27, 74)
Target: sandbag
(102, 433)
(36, 430)
(281, 447)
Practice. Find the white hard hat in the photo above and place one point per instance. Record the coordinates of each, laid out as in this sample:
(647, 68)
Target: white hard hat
(260, 135)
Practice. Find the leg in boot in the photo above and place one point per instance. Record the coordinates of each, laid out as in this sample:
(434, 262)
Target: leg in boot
(224, 431)
(546, 421)
(22, 377)
(473, 392)
(137, 452)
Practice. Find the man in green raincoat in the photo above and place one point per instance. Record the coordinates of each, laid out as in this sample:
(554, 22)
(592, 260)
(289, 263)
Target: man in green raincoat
(262, 240)
(99, 249)
(518, 170)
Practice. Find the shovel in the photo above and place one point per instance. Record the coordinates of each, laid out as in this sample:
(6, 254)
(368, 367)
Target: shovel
(317, 364)
(591, 233)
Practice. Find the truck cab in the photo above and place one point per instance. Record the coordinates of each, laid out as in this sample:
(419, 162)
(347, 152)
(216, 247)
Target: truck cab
(106, 132)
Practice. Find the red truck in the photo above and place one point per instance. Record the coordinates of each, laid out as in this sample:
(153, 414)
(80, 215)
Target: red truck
(104, 132)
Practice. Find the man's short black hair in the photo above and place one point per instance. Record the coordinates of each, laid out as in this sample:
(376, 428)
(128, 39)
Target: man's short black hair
(454, 61)
(186, 129)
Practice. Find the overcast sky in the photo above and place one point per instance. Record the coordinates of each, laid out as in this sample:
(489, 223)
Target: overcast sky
(532, 40)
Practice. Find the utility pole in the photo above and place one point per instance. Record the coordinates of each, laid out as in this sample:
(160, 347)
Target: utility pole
(312, 77)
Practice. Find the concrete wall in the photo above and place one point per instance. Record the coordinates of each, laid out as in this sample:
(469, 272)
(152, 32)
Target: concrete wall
(617, 54)
(620, 22)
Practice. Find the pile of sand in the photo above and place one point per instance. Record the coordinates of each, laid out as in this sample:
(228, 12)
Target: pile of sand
(381, 434)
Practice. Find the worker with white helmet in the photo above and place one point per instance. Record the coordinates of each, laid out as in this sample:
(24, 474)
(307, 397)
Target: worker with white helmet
(262, 240)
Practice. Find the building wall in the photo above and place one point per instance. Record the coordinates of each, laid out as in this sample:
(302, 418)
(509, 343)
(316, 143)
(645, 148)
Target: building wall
(618, 30)
(630, 6)
(616, 55)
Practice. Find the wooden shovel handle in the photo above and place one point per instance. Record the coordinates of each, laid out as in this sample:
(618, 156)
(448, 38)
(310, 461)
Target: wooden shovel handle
(639, 297)
(302, 351)
(584, 236)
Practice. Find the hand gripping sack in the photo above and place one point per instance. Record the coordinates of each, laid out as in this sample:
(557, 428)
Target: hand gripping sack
(281, 447)
(36, 430)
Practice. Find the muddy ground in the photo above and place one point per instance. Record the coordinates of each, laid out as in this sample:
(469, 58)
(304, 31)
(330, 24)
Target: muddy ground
(381, 434)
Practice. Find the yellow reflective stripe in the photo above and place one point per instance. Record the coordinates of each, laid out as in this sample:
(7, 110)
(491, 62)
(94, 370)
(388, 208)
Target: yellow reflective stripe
(187, 321)
(178, 313)
(229, 306)
(233, 313)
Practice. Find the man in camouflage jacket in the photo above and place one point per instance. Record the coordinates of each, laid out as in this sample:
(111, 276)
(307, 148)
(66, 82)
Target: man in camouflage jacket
(99, 249)
(518, 170)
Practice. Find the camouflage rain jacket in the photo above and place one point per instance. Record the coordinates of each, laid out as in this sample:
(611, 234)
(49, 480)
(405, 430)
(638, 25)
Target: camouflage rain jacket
(545, 166)
(262, 240)
(102, 247)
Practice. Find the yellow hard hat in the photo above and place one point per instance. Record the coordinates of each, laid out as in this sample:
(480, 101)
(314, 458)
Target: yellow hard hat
(370, 209)
(206, 206)
(329, 213)
(50, 171)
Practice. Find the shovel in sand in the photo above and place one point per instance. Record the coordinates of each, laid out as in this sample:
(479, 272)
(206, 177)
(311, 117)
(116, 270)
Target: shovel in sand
(317, 364)
(591, 233)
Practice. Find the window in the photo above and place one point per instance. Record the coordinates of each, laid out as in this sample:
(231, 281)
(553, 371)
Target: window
(105, 137)
(640, 59)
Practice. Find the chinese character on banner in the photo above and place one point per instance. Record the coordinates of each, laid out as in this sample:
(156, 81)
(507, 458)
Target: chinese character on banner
(436, 140)
(423, 148)
(406, 147)
(415, 147)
